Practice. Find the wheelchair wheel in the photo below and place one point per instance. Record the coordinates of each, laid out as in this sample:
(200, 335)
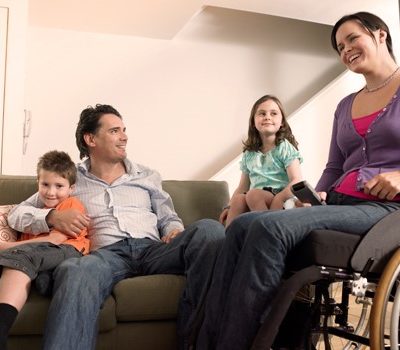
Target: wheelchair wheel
(356, 322)
(384, 314)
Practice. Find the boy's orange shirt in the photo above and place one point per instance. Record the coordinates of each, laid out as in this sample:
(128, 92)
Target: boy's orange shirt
(81, 243)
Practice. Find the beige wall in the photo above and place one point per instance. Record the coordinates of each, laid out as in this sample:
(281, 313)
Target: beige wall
(185, 101)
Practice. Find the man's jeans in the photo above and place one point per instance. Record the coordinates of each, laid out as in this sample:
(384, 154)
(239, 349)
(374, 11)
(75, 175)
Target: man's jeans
(251, 263)
(82, 285)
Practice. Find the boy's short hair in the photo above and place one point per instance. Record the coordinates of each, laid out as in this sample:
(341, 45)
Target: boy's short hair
(59, 163)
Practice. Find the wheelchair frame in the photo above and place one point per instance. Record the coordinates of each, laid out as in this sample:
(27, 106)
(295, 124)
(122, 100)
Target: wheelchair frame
(370, 271)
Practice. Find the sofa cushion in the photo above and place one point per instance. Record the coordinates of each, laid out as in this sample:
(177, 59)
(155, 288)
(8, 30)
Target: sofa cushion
(195, 200)
(153, 297)
(32, 317)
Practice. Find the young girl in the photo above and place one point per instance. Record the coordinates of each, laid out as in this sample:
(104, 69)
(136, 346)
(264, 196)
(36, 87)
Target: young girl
(270, 163)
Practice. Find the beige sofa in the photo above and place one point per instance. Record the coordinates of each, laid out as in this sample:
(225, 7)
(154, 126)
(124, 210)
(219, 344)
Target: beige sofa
(141, 312)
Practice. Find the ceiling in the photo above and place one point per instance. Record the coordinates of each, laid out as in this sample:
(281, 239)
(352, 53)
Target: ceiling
(163, 19)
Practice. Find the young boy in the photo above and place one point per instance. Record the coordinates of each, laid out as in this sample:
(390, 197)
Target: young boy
(21, 261)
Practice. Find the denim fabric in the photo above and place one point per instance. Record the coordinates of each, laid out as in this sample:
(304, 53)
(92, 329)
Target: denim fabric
(82, 285)
(251, 263)
(32, 258)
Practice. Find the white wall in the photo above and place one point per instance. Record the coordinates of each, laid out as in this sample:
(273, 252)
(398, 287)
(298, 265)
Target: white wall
(186, 101)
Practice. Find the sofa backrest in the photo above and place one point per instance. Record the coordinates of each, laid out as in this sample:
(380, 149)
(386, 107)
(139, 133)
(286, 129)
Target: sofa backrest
(193, 200)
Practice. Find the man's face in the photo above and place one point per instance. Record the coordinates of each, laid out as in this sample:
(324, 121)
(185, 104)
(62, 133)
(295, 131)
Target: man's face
(109, 142)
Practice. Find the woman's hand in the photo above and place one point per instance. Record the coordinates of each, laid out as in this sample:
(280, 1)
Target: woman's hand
(384, 186)
(300, 204)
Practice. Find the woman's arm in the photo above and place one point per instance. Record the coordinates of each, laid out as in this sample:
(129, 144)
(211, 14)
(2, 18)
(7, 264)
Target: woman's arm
(384, 186)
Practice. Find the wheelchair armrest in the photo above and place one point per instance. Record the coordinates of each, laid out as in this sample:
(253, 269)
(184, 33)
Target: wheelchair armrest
(379, 243)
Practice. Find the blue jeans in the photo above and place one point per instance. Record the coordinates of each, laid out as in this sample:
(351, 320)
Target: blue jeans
(82, 284)
(251, 263)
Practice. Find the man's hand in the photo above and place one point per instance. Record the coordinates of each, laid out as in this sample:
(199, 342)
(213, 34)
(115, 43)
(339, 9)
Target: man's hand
(170, 235)
(71, 221)
(384, 186)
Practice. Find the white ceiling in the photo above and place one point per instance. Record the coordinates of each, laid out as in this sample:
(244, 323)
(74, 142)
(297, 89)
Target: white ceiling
(163, 19)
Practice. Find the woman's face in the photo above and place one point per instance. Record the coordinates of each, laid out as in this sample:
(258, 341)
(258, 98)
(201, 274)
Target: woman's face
(356, 47)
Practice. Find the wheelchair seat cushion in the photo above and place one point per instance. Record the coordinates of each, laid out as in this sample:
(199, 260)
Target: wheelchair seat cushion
(326, 248)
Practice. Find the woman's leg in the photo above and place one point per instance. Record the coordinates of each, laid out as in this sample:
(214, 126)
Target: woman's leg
(193, 253)
(221, 281)
(261, 262)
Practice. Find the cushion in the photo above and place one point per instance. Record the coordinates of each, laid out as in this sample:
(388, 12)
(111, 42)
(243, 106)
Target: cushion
(326, 248)
(7, 234)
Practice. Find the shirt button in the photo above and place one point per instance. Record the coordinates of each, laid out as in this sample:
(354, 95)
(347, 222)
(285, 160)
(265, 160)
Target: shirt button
(363, 149)
(369, 130)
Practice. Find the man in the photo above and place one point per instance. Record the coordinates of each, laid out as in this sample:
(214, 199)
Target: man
(133, 229)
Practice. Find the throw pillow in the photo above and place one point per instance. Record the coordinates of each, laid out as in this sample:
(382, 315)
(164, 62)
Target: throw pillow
(7, 234)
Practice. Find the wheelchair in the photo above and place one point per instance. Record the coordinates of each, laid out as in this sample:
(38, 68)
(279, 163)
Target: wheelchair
(367, 268)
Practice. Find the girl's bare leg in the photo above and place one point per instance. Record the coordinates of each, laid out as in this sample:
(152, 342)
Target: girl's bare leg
(258, 199)
(238, 206)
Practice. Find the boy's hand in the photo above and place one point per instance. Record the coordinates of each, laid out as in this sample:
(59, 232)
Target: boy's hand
(57, 237)
(71, 221)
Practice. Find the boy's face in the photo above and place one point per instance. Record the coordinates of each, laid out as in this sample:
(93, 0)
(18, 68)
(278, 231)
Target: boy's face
(53, 188)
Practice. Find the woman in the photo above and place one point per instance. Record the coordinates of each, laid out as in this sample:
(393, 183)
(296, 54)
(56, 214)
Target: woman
(362, 179)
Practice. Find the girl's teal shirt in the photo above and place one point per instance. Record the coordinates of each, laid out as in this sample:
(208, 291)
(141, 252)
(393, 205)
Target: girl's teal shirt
(269, 169)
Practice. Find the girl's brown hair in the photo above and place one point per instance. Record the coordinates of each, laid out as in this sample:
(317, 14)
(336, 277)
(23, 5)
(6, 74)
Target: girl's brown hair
(254, 141)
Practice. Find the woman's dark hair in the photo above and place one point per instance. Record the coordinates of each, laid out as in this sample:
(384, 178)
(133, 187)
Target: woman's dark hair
(370, 22)
(254, 141)
(89, 123)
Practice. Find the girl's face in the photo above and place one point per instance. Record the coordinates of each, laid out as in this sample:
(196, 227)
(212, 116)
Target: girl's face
(268, 118)
(356, 47)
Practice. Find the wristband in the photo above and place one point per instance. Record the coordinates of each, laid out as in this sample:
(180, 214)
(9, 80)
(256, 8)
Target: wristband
(227, 207)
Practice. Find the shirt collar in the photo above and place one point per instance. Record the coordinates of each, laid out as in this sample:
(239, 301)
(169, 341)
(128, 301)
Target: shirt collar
(131, 168)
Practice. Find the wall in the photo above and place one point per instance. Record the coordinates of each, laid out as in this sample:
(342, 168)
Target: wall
(185, 101)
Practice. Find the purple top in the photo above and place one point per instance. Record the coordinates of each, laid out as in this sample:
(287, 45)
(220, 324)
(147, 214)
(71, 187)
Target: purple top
(377, 152)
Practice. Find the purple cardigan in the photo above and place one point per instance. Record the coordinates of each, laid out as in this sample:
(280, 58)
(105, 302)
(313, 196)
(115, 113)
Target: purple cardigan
(378, 152)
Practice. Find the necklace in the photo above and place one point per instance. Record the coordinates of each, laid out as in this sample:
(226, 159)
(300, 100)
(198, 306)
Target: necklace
(387, 81)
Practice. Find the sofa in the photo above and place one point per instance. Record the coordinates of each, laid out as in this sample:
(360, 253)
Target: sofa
(141, 312)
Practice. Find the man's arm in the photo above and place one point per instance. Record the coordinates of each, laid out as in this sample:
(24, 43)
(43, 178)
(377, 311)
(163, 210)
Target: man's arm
(30, 217)
(168, 220)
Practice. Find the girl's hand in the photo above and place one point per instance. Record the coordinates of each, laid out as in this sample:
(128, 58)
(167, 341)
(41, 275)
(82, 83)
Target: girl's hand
(384, 186)
(223, 216)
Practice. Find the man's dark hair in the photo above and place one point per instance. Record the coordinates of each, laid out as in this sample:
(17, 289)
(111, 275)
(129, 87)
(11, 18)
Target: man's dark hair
(59, 163)
(89, 123)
